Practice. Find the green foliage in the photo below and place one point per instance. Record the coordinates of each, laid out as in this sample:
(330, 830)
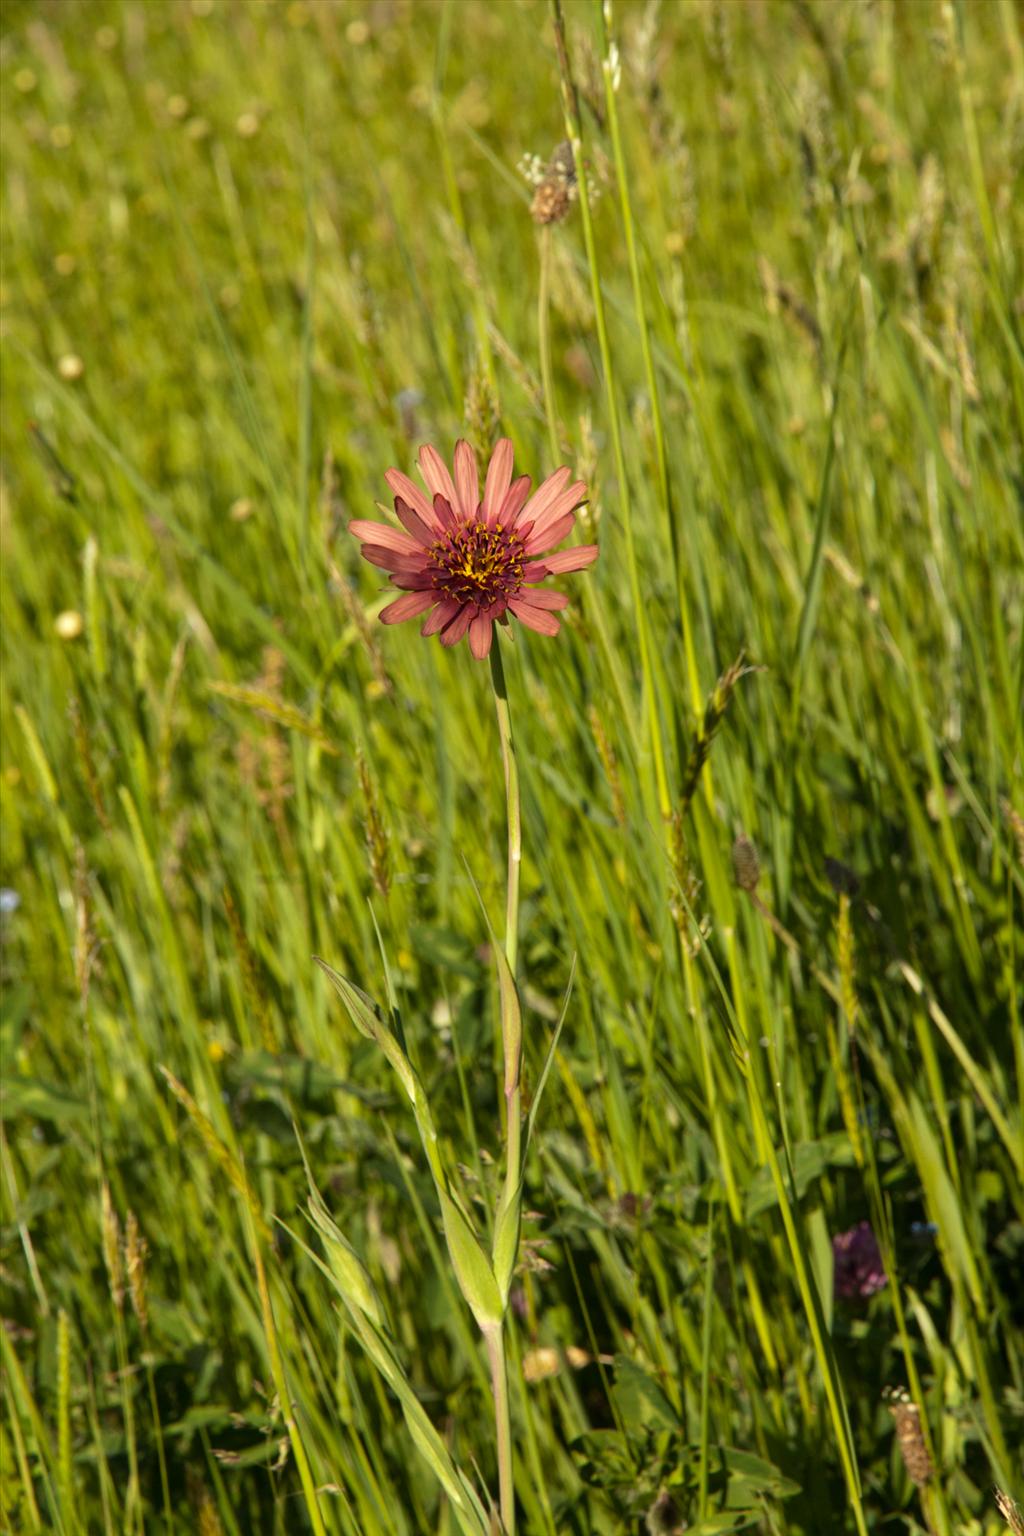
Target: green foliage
(253, 255)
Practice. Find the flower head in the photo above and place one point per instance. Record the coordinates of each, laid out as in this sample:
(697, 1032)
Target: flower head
(857, 1263)
(472, 560)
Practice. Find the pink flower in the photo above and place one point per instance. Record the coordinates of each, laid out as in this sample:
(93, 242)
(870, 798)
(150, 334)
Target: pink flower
(472, 561)
(857, 1263)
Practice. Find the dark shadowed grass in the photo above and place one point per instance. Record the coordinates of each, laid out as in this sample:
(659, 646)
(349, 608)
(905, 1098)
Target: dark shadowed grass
(252, 256)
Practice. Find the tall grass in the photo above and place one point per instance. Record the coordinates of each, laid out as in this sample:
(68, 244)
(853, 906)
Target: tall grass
(252, 256)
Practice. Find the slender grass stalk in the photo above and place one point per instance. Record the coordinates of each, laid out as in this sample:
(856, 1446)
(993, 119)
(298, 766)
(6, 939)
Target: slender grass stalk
(305, 389)
(535, 1465)
(483, 336)
(33, 1450)
(822, 1346)
(609, 71)
(277, 1371)
(547, 376)
(784, 1185)
(705, 1371)
(574, 132)
(103, 1471)
(133, 1512)
(158, 1436)
(64, 1415)
(11, 1186)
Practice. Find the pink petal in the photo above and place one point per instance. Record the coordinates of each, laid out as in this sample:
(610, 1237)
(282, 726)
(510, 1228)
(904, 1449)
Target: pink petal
(512, 505)
(546, 599)
(544, 538)
(499, 478)
(458, 626)
(481, 631)
(534, 618)
(406, 607)
(435, 472)
(567, 501)
(545, 494)
(444, 514)
(564, 560)
(467, 480)
(425, 534)
(381, 534)
(401, 485)
(443, 614)
(393, 559)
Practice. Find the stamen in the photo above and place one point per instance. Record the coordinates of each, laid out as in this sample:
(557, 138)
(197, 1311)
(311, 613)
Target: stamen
(479, 565)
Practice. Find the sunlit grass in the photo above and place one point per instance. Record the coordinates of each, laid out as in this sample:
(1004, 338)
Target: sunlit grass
(253, 255)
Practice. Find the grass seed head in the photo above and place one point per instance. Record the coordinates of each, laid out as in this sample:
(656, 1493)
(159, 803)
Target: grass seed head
(910, 1436)
(1011, 1513)
(557, 189)
(112, 1247)
(1015, 821)
(609, 762)
(135, 1250)
(847, 972)
(483, 410)
(377, 842)
(208, 1522)
(746, 863)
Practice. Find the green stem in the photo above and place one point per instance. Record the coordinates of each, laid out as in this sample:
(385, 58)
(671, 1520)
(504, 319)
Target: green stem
(154, 1407)
(515, 822)
(495, 1340)
(547, 376)
(511, 1029)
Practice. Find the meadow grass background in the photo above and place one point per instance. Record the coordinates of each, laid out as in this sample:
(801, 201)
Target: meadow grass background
(253, 254)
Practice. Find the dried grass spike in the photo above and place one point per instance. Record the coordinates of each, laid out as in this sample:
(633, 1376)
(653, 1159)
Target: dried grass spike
(550, 204)
(910, 1436)
(1011, 1512)
(377, 843)
(610, 764)
(208, 1522)
(220, 1154)
(112, 1247)
(847, 973)
(557, 189)
(714, 713)
(483, 410)
(135, 1250)
(1015, 821)
(746, 863)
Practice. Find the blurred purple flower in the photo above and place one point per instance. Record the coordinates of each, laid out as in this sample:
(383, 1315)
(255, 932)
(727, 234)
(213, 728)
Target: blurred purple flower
(857, 1263)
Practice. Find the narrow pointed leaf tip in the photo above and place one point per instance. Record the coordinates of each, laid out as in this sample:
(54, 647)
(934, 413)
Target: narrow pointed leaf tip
(473, 1269)
(366, 1017)
(350, 1275)
(472, 1266)
(468, 561)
